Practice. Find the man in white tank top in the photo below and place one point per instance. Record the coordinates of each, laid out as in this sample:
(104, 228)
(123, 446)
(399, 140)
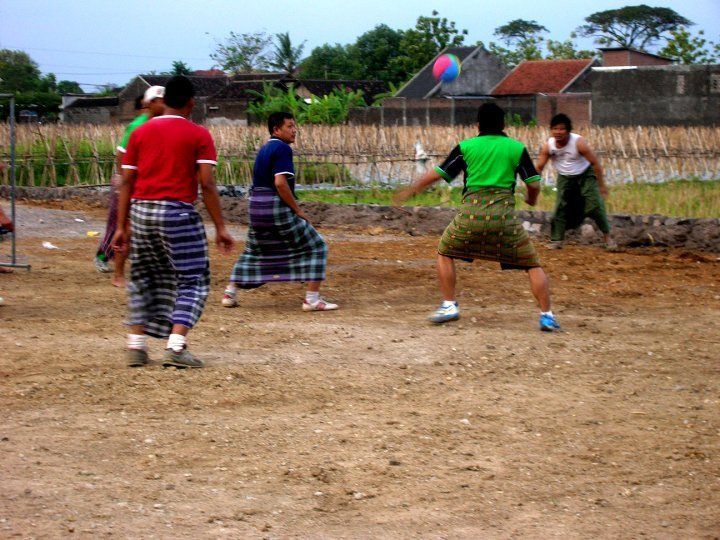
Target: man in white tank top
(581, 188)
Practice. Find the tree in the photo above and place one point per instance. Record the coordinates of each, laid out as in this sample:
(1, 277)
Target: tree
(243, 53)
(19, 73)
(422, 43)
(519, 30)
(374, 52)
(69, 87)
(330, 62)
(566, 50)
(632, 26)
(286, 57)
(180, 68)
(685, 48)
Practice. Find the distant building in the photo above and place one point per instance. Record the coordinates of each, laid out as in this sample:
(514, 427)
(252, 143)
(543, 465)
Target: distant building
(83, 109)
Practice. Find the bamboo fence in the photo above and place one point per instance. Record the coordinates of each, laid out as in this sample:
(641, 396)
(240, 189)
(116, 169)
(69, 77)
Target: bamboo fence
(62, 155)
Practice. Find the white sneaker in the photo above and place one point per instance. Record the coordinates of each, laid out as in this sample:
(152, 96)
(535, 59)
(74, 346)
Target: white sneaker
(445, 314)
(102, 266)
(229, 299)
(555, 244)
(320, 305)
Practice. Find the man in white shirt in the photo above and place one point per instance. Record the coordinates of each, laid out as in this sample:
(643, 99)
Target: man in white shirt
(581, 187)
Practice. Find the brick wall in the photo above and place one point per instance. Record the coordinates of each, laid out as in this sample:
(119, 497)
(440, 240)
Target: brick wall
(627, 57)
(576, 106)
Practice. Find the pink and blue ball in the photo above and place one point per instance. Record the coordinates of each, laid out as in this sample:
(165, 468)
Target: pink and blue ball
(446, 68)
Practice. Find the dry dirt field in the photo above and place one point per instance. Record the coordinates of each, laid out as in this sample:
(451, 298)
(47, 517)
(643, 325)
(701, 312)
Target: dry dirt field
(366, 422)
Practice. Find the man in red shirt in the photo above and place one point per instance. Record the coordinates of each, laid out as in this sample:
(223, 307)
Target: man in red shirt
(170, 270)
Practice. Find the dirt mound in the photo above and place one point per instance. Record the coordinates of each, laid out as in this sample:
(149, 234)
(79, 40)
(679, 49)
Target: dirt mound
(629, 230)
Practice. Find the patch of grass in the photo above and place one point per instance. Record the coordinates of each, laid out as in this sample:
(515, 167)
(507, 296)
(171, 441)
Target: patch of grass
(678, 198)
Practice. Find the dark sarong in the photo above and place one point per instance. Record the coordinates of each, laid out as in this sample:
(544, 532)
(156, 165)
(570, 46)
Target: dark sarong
(170, 270)
(486, 227)
(280, 246)
(105, 246)
(578, 197)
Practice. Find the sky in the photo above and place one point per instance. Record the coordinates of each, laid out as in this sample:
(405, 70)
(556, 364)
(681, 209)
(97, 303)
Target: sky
(110, 41)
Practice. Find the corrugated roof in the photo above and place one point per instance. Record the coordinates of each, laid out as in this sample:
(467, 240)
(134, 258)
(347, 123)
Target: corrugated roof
(541, 76)
(104, 101)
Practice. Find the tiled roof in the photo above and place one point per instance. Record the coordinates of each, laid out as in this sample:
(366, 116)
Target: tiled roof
(260, 76)
(204, 86)
(423, 82)
(540, 76)
(209, 73)
(105, 101)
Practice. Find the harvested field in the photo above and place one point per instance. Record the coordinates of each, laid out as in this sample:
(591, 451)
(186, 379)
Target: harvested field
(365, 422)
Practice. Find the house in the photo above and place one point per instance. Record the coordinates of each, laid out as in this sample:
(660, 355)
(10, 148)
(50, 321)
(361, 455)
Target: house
(625, 56)
(539, 89)
(205, 86)
(425, 101)
(480, 72)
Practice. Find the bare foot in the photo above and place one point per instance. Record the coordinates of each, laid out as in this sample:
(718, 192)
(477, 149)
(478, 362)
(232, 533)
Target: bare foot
(5, 270)
(118, 281)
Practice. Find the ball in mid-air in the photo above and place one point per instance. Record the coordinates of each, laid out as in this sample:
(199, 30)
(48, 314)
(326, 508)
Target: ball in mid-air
(446, 68)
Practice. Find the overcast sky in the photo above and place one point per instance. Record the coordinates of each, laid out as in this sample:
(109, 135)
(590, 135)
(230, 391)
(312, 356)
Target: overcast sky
(101, 41)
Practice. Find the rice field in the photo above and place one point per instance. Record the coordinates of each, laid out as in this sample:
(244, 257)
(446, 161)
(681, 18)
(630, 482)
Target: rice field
(361, 156)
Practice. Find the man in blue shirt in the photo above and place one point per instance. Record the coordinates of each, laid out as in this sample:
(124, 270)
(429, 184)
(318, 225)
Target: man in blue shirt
(281, 245)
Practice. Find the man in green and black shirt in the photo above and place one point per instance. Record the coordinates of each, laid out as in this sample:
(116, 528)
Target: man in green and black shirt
(486, 226)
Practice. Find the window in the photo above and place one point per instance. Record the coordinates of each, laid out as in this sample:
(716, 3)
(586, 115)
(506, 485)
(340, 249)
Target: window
(715, 83)
(680, 84)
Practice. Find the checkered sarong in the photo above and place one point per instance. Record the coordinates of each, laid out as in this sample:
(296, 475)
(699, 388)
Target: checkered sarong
(280, 246)
(486, 227)
(170, 270)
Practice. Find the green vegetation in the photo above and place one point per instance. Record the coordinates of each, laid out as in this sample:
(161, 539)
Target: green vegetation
(679, 198)
(329, 109)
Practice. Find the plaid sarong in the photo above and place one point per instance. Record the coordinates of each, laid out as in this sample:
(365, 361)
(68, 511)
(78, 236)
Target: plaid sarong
(486, 227)
(280, 246)
(105, 246)
(170, 270)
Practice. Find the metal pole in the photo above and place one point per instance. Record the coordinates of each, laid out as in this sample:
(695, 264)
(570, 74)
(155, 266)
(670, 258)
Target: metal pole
(13, 262)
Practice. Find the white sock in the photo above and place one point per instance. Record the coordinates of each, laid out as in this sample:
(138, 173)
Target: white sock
(312, 297)
(176, 342)
(448, 303)
(231, 289)
(550, 313)
(137, 341)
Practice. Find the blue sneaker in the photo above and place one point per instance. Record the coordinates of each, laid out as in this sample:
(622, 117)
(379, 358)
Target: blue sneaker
(548, 323)
(445, 314)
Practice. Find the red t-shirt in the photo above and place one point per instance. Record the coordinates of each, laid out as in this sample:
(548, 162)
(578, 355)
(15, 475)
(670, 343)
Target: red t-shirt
(165, 152)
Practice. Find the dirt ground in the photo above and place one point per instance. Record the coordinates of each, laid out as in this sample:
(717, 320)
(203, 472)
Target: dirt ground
(366, 422)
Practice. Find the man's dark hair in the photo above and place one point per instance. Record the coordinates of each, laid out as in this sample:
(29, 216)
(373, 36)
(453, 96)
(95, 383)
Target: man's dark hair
(139, 102)
(178, 92)
(561, 119)
(277, 119)
(491, 118)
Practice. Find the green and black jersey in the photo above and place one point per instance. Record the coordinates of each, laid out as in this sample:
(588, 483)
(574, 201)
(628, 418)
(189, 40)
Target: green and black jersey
(489, 160)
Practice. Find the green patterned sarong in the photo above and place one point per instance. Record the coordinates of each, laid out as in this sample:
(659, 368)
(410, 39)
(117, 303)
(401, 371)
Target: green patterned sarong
(486, 227)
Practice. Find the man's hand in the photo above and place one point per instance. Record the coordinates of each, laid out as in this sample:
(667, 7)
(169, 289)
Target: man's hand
(529, 201)
(402, 195)
(299, 213)
(7, 224)
(224, 242)
(120, 241)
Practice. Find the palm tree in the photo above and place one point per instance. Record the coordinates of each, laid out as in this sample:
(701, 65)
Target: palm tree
(285, 57)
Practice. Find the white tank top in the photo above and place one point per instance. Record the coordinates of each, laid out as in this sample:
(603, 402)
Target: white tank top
(567, 160)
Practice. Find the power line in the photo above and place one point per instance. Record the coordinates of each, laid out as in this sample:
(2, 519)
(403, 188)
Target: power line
(102, 53)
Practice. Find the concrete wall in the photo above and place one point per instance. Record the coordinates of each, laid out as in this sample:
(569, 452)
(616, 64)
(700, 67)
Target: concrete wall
(88, 115)
(438, 111)
(658, 95)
